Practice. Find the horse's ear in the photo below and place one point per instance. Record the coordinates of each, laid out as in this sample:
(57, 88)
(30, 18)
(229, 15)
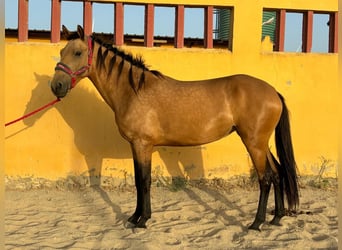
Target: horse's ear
(65, 32)
(80, 31)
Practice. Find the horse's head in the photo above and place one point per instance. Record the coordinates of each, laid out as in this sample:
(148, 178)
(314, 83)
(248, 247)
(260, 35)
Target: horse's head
(75, 62)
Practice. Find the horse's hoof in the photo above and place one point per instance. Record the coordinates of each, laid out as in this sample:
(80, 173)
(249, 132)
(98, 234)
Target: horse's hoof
(129, 225)
(275, 221)
(255, 226)
(133, 219)
(141, 224)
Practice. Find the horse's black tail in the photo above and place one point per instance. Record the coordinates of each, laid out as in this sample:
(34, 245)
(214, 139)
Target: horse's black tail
(287, 168)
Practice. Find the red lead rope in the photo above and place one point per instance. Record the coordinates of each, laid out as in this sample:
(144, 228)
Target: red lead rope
(33, 112)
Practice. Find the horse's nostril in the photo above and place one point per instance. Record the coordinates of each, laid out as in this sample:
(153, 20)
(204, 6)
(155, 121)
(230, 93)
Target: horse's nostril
(57, 87)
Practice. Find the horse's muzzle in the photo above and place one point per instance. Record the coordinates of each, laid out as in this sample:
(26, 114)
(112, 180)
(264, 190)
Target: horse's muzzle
(59, 89)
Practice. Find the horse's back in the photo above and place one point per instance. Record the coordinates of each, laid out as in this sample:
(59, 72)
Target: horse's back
(237, 92)
(248, 90)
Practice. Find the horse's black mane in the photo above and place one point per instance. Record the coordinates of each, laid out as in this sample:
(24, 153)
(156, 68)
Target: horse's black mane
(136, 61)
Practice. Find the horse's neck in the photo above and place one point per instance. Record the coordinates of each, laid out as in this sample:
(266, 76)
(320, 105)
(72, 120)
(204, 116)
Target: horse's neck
(113, 88)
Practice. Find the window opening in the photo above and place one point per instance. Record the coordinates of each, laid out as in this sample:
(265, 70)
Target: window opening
(136, 13)
(164, 24)
(320, 33)
(71, 14)
(11, 14)
(39, 15)
(293, 32)
(103, 17)
(194, 23)
(193, 27)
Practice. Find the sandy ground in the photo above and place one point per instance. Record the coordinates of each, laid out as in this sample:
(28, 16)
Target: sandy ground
(193, 217)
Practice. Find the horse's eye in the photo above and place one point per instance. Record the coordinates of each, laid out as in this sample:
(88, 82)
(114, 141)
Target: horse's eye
(78, 53)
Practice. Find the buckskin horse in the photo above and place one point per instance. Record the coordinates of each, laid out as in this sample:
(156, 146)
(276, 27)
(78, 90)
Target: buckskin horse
(152, 109)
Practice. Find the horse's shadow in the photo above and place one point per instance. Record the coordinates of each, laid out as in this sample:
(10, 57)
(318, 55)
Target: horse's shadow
(96, 135)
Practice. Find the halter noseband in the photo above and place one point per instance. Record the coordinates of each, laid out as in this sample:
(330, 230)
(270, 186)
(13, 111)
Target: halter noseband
(65, 68)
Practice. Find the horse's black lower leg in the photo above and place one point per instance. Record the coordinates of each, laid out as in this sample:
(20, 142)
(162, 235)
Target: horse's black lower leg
(145, 191)
(279, 211)
(135, 217)
(278, 195)
(143, 185)
(265, 186)
(260, 217)
(263, 169)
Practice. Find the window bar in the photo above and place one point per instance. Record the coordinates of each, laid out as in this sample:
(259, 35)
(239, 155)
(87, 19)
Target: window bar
(149, 25)
(208, 27)
(179, 26)
(87, 17)
(333, 31)
(118, 24)
(22, 20)
(280, 31)
(307, 31)
(55, 21)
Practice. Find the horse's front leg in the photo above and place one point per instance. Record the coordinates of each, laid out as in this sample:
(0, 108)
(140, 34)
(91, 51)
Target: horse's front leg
(142, 171)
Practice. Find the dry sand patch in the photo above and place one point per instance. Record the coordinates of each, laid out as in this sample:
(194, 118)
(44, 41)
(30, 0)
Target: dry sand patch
(195, 216)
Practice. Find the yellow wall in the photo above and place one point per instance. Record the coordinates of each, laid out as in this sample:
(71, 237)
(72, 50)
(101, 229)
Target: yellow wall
(79, 134)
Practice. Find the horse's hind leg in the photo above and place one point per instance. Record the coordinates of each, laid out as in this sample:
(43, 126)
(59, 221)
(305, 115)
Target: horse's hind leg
(278, 189)
(264, 174)
(267, 168)
(256, 142)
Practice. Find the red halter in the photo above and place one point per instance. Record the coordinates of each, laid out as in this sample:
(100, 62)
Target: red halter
(65, 68)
